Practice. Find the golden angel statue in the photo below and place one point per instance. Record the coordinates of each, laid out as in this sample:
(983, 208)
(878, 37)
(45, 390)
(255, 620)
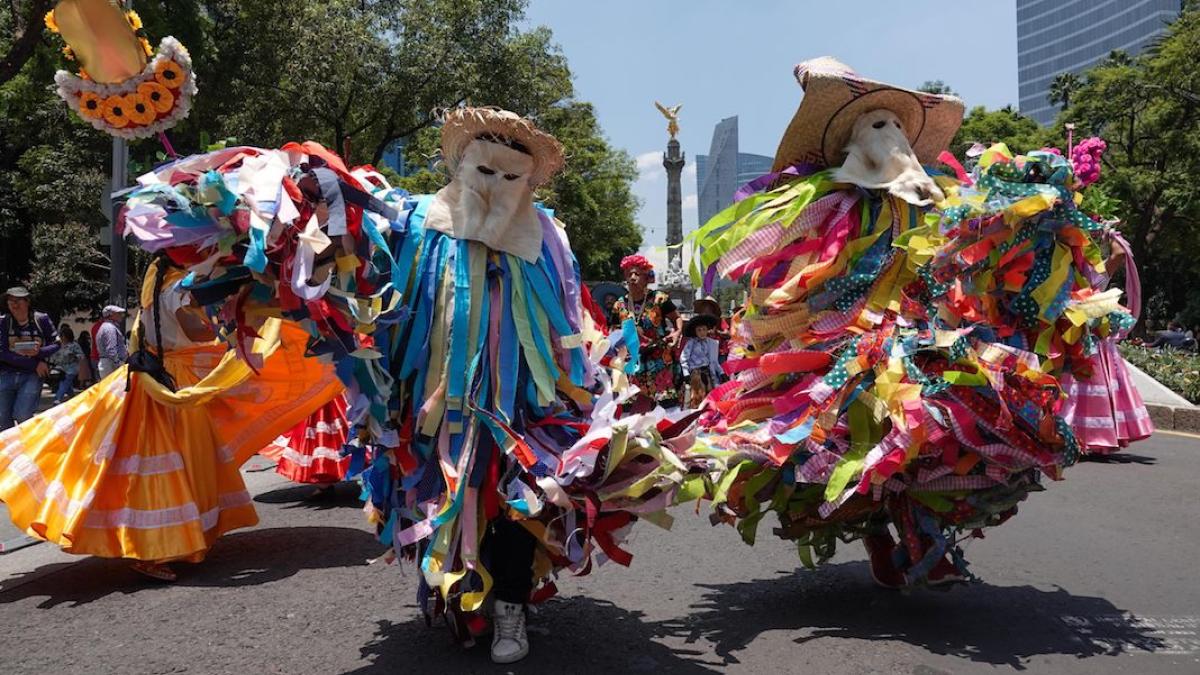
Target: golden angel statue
(672, 115)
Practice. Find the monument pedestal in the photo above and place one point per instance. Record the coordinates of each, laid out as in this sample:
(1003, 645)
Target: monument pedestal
(675, 282)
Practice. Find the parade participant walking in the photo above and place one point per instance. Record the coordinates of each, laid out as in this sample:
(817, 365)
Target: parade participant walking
(111, 347)
(658, 326)
(898, 363)
(27, 340)
(1103, 405)
(501, 452)
(144, 465)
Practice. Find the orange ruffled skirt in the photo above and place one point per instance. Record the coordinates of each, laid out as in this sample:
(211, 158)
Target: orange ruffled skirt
(152, 474)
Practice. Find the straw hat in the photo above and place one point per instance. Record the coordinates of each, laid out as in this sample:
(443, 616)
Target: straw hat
(835, 96)
(463, 125)
(706, 305)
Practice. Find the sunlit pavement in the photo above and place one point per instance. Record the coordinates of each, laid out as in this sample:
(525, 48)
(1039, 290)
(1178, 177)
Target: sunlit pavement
(1095, 575)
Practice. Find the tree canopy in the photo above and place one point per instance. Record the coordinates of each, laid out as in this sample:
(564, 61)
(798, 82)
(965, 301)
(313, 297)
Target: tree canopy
(351, 74)
(1147, 109)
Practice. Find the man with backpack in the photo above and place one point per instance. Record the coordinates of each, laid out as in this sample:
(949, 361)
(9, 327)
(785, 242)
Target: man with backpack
(27, 339)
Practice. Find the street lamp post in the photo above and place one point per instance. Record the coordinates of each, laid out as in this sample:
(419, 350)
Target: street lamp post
(118, 271)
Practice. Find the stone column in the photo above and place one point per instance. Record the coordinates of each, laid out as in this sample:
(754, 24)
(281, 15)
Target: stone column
(673, 161)
(674, 280)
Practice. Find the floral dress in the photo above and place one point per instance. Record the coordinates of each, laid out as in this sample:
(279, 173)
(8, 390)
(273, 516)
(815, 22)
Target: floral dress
(658, 373)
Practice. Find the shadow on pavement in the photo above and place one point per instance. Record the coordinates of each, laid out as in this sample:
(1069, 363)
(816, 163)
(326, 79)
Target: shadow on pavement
(998, 625)
(1119, 458)
(568, 635)
(339, 495)
(239, 559)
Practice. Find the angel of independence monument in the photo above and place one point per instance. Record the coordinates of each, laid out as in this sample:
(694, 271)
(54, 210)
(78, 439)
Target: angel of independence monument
(675, 281)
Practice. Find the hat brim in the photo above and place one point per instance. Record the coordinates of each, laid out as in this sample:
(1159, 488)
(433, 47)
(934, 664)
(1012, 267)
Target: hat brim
(463, 125)
(712, 305)
(821, 127)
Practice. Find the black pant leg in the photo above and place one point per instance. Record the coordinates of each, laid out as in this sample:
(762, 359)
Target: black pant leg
(511, 555)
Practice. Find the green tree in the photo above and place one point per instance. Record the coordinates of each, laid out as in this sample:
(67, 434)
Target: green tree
(1005, 125)
(594, 196)
(1148, 111)
(1061, 88)
(21, 26)
(936, 87)
(372, 71)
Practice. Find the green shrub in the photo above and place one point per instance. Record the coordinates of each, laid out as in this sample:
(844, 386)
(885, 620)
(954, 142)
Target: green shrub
(1178, 371)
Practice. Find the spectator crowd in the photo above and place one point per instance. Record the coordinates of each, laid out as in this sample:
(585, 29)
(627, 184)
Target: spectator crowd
(35, 355)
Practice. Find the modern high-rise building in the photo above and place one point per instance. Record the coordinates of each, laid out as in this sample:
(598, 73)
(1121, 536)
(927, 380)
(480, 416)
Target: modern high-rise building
(723, 170)
(1059, 36)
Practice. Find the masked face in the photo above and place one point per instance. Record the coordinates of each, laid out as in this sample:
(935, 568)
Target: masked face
(490, 200)
(879, 156)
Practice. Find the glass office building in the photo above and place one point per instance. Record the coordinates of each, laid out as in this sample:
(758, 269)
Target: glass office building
(723, 170)
(1059, 36)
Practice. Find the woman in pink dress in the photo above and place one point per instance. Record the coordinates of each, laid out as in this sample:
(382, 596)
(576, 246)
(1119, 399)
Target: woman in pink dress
(1103, 406)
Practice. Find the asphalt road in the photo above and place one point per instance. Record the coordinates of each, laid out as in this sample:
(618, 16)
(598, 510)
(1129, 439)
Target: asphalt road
(1095, 575)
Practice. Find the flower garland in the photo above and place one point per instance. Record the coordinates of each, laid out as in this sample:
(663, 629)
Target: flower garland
(143, 105)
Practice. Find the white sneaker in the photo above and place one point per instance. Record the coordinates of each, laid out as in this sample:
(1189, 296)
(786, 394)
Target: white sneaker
(509, 641)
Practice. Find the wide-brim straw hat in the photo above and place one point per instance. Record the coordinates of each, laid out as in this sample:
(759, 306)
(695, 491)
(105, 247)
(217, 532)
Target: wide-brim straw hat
(706, 306)
(463, 125)
(835, 96)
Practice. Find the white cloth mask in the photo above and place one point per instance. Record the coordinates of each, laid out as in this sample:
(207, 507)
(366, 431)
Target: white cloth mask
(879, 156)
(489, 199)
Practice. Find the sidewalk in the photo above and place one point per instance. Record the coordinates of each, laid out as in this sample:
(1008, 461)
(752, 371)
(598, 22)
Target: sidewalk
(1169, 411)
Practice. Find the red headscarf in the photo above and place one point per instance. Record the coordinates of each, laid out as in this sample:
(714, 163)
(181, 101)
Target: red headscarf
(636, 260)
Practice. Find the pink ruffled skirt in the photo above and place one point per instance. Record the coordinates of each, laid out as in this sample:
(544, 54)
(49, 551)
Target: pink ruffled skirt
(1105, 410)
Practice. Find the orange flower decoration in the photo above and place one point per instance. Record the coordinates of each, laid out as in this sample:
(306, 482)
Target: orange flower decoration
(146, 46)
(169, 74)
(51, 23)
(116, 110)
(141, 111)
(160, 98)
(91, 106)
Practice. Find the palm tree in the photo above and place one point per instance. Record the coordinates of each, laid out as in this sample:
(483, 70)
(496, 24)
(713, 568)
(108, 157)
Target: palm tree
(937, 87)
(1118, 57)
(1061, 88)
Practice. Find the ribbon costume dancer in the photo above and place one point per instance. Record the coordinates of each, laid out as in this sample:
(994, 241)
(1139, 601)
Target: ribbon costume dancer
(896, 367)
(500, 453)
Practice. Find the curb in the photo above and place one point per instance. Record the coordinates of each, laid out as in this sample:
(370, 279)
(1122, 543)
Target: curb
(1172, 418)
(18, 543)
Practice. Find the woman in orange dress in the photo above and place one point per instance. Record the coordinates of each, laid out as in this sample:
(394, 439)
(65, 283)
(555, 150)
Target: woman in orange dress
(148, 469)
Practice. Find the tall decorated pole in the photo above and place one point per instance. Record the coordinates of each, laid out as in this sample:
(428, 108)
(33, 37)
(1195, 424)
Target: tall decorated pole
(673, 162)
(674, 281)
(124, 87)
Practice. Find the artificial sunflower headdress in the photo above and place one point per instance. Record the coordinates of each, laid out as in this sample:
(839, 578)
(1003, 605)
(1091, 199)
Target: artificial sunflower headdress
(120, 89)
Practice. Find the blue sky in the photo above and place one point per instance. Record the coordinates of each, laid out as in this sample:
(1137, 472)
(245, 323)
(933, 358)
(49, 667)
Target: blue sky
(735, 58)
